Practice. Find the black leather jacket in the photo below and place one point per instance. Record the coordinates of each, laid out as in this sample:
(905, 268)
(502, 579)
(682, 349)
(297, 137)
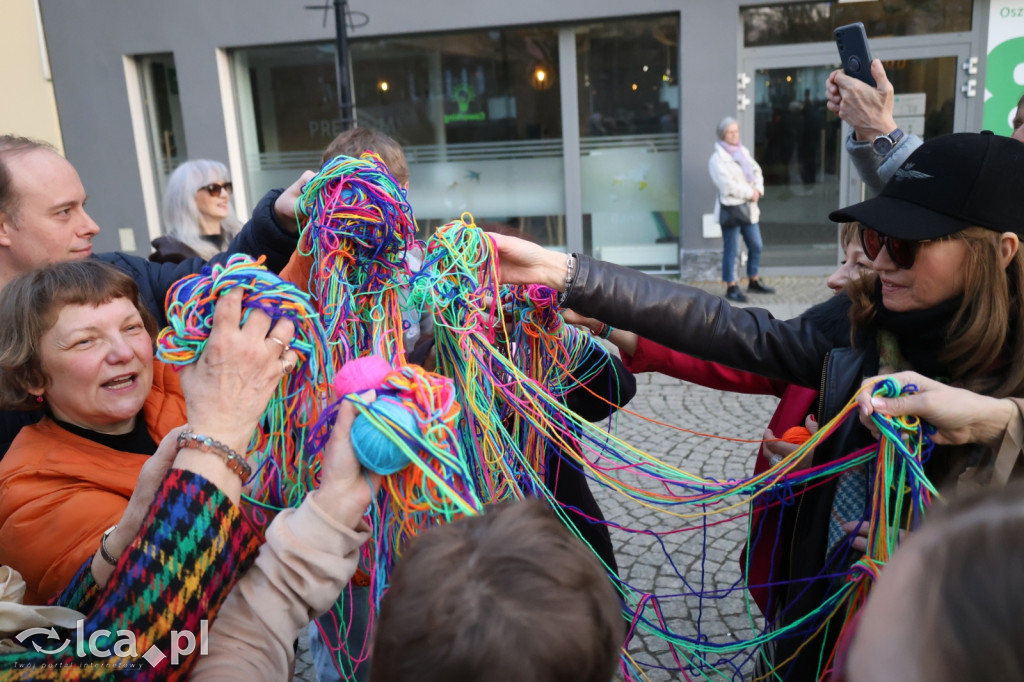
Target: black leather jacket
(806, 351)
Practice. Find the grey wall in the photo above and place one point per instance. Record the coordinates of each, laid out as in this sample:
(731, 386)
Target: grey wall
(88, 39)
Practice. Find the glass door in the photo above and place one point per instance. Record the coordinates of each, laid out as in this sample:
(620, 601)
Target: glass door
(801, 145)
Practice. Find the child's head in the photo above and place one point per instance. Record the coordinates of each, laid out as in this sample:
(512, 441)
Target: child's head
(508, 596)
(948, 605)
(355, 141)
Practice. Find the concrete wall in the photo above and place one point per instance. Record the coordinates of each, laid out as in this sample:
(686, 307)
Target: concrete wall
(89, 38)
(28, 107)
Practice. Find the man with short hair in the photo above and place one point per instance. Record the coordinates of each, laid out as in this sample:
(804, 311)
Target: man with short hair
(43, 220)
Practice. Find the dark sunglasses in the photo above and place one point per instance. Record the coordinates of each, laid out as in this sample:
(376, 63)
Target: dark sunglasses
(215, 188)
(902, 252)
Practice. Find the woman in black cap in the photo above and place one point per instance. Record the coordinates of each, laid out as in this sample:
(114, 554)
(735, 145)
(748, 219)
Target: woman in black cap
(947, 302)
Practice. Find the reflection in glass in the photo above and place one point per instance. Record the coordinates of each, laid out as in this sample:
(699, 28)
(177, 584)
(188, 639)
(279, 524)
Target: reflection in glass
(797, 142)
(478, 114)
(629, 151)
(164, 120)
(812, 22)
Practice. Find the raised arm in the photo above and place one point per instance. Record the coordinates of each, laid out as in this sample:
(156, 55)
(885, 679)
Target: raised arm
(682, 318)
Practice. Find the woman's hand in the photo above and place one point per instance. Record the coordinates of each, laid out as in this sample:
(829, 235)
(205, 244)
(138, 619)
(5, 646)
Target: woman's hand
(346, 489)
(228, 389)
(776, 450)
(626, 341)
(960, 416)
(150, 478)
(523, 262)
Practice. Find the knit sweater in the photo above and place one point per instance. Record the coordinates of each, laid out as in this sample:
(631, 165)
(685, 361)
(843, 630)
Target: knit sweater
(175, 574)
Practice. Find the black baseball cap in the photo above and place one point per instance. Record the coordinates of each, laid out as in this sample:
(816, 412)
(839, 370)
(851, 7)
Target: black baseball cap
(948, 184)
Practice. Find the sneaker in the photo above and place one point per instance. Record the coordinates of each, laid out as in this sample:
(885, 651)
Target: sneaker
(733, 293)
(757, 287)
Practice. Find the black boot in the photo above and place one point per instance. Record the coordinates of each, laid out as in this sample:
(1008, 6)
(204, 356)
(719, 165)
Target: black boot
(733, 293)
(756, 287)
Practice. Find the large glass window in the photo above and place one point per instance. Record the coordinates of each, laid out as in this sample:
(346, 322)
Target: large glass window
(629, 146)
(164, 121)
(478, 115)
(813, 22)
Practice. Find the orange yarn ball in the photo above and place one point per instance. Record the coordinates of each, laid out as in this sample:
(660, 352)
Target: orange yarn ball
(797, 435)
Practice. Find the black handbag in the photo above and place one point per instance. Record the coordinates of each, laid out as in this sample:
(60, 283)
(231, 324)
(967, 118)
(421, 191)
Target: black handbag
(734, 216)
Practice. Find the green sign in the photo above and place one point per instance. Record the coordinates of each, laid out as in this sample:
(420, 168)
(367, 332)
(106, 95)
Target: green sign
(1004, 79)
(462, 95)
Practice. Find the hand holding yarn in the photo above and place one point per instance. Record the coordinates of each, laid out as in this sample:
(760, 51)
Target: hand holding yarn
(374, 448)
(345, 489)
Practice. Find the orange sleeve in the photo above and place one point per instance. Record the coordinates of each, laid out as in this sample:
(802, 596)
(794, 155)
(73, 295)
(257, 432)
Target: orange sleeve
(51, 535)
(298, 269)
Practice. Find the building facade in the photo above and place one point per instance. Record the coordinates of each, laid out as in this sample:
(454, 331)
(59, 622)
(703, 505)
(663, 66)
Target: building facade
(587, 124)
(28, 108)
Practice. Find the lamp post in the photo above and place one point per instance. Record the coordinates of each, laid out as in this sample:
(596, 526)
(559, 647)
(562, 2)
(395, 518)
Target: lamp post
(342, 80)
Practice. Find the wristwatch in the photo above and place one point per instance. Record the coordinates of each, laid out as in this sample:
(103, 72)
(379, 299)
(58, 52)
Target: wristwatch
(883, 144)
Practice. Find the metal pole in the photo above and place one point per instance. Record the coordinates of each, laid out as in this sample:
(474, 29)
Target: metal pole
(341, 64)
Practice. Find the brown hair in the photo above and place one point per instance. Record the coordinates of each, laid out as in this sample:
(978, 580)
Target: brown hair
(12, 145)
(355, 141)
(970, 592)
(505, 597)
(848, 232)
(988, 327)
(29, 308)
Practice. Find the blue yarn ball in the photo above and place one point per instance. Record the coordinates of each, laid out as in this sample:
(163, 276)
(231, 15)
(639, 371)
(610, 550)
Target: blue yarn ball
(373, 448)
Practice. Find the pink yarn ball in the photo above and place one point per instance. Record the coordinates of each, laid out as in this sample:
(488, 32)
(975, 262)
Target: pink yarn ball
(361, 374)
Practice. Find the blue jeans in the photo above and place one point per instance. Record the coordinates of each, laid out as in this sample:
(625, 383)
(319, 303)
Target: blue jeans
(731, 246)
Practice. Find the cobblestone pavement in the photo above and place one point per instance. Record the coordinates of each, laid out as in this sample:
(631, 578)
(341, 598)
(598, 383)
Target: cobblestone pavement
(641, 561)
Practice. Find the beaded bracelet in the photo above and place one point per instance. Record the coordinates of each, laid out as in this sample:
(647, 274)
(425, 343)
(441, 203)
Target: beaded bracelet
(236, 463)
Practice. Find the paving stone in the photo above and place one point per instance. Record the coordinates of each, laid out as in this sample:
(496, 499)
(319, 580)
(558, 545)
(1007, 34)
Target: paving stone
(639, 556)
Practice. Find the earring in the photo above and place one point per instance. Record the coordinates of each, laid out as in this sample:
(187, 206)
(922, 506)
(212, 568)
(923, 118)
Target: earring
(39, 398)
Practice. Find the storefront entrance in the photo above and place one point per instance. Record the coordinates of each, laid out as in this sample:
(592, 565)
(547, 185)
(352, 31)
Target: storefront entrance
(801, 145)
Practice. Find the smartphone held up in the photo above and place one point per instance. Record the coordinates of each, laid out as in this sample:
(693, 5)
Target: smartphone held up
(852, 42)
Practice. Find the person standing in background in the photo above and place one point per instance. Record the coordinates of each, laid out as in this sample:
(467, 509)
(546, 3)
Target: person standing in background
(740, 184)
(198, 218)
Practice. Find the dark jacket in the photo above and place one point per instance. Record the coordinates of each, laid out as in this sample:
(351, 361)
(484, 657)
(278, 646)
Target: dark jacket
(262, 235)
(811, 350)
(170, 250)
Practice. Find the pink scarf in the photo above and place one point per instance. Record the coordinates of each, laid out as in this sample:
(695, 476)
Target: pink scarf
(740, 156)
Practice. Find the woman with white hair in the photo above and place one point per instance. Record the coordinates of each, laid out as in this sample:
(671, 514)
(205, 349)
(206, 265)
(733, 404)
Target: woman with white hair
(197, 212)
(740, 184)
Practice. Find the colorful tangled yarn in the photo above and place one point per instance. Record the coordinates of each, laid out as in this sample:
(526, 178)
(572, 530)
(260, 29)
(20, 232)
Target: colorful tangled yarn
(284, 471)
(357, 236)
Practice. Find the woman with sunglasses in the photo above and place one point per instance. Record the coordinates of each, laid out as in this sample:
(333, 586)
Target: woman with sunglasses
(197, 212)
(951, 217)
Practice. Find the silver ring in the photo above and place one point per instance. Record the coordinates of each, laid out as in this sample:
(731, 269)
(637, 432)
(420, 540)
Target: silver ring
(775, 460)
(285, 347)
